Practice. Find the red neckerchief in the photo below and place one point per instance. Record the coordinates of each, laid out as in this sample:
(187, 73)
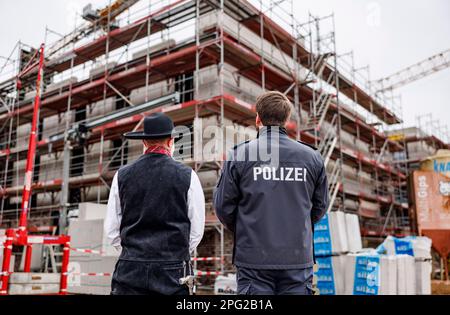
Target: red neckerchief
(158, 149)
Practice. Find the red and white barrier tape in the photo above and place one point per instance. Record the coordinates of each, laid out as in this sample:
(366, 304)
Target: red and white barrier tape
(87, 251)
(206, 259)
(90, 274)
(198, 273)
(107, 274)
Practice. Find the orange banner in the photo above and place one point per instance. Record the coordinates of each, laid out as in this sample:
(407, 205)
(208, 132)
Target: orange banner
(432, 200)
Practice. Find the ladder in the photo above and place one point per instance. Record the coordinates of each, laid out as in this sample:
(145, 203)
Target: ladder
(329, 142)
(334, 184)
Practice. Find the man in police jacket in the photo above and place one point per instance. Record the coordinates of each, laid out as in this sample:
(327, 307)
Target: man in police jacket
(156, 215)
(271, 192)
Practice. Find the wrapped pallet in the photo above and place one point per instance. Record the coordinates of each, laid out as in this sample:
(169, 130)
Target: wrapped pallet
(423, 277)
(362, 274)
(388, 275)
(406, 275)
(353, 233)
(418, 247)
(91, 275)
(225, 285)
(330, 235)
(330, 275)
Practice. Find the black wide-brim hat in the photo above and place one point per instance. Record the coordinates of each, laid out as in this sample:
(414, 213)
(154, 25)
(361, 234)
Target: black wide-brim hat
(156, 126)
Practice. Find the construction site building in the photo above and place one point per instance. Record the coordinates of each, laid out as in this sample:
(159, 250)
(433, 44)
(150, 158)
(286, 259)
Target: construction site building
(203, 63)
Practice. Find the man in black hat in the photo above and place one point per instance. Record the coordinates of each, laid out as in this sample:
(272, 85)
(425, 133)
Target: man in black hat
(156, 215)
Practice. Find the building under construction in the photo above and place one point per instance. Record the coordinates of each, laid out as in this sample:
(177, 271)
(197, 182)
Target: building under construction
(203, 63)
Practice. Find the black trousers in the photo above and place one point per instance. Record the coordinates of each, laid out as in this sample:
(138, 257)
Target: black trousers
(274, 282)
(145, 278)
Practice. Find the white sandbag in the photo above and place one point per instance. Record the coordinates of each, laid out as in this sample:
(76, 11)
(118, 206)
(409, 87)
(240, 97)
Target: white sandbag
(225, 285)
(423, 277)
(330, 275)
(418, 247)
(406, 275)
(353, 233)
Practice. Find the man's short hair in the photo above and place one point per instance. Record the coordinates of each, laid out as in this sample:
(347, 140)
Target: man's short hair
(160, 141)
(273, 108)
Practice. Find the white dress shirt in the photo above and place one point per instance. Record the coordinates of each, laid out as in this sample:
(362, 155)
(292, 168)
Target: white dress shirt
(196, 213)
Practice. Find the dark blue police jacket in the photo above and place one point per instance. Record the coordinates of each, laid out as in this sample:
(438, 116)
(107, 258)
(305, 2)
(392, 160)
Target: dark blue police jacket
(271, 192)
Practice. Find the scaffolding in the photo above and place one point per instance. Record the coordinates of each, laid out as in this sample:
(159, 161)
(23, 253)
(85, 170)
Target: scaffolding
(203, 63)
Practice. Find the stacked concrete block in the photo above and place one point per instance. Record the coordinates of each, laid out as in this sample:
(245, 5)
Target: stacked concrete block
(208, 139)
(34, 283)
(23, 135)
(234, 84)
(388, 275)
(252, 40)
(419, 248)
(330, 275)
(350, 204)
(87, 232)
(163, 45)
(370, 274)
(135, 150)
(423, 277)
(92, 285)
(92, 157)
(56, 124)
(209, 83)
(406, 271)
(18, 171)
(153, 91)
(48, 199)
(96, 193)
(353, 233)
(50, 167)
(100, 108)
(61, 84)
(330, 243)
(100, 70)
(368, 209)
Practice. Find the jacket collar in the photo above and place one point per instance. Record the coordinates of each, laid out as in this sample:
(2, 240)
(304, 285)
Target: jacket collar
(264, 131)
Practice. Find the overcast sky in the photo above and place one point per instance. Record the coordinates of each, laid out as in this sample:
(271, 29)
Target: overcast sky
(388, 35)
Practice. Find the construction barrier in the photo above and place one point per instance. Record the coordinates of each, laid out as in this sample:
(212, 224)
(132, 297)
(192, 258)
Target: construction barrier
(198, 273)
(87, 251)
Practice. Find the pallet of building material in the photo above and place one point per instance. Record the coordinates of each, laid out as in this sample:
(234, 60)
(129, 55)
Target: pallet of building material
(163, 45)
(90, 234)
(100, 70)
(21, 283)
(91, 275)
(330, 235)
(152, 91)
(100, 108)
(353, 233)
(406, 275)
(225, 285)
(388, 275)
(423, 277)
(362, 274)
(58, 85)
(416, 246)
(330, 275)
(91, 211)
